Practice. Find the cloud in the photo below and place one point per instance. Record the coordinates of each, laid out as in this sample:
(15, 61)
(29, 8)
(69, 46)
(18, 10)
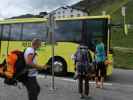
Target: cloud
(9, 8)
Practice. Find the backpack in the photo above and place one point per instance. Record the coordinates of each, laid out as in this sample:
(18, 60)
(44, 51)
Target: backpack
(82, 58)
(12, 69)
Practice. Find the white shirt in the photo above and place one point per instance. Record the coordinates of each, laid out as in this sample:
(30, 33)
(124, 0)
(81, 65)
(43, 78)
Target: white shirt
(33, 71)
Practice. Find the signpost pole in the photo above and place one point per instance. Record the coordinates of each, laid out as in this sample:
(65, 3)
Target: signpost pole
(51, 25)
(125, 26)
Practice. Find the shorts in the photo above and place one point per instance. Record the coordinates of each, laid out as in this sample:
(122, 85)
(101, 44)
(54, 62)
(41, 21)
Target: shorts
(102, 68)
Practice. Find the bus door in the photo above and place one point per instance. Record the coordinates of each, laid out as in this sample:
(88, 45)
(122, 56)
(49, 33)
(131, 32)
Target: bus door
(93, 30)
(87, 36)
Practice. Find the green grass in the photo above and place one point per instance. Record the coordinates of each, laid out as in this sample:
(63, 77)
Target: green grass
(110, 6)
(113, 7)
(118, 38)
(123, 60)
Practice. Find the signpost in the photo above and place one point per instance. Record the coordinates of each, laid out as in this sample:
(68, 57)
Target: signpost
(103, 13)
(51, 26)
(123, 9)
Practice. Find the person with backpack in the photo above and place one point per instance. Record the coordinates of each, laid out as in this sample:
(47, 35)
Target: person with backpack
(82, 60)
(30, 82)
(100, 66)
(21, 67)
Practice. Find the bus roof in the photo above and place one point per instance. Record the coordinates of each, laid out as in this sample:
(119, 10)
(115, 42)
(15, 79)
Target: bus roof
(37, 20)
(86, 17)
(22, 20)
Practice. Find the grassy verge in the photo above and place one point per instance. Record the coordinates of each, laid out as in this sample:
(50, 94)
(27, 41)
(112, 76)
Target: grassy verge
(123, 60)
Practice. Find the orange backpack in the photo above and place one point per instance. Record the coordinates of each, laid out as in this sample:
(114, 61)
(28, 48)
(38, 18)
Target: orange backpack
(12, 65)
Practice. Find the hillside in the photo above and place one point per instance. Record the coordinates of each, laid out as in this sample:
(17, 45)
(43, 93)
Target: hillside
(40, 15)
(119, 39)
(122, 58)
(112, 7)
(122, 40)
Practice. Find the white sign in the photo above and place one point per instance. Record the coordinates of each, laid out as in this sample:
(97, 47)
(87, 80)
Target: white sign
(123, 9)
(103, 13)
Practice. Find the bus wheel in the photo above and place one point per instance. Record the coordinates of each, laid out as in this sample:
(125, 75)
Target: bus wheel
(60, 66)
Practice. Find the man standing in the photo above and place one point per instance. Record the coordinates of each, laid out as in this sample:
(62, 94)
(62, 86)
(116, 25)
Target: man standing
(30, 82)
(100, 58)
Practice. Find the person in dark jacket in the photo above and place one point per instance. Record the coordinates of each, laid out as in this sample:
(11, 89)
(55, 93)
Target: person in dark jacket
(82, 69)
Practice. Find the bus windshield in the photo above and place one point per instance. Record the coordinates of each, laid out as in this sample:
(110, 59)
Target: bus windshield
(35, 30)
(86, 31)
(92, 30)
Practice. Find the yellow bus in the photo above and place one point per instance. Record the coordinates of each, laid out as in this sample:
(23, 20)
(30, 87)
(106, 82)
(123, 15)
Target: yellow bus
(69, 33)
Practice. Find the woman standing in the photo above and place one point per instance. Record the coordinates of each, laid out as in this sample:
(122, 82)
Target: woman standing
(100, 69)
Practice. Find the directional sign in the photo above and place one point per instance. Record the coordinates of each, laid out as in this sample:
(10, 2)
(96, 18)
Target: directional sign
(123, 9)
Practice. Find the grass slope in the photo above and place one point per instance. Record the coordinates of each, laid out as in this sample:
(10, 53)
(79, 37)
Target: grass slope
(121, 59)
(118, 39)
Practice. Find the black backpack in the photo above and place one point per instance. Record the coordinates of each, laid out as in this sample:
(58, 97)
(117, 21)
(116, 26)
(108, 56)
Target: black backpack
(21, 71)
(83, 59)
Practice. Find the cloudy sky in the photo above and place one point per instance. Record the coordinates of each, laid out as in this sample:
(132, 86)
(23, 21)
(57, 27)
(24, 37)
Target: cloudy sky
(9, 8)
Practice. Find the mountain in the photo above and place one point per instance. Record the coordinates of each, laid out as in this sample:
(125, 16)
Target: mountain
(122, 57)
(40, 15)
(113, 8)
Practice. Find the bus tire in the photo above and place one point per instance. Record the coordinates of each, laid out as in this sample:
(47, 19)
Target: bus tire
(60, 67)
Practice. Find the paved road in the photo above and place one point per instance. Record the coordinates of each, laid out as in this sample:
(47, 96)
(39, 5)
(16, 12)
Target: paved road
(120, 88)
(122, 76)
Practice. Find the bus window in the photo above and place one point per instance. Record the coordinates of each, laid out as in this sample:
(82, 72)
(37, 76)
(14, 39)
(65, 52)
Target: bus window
(34, 30)
(6, 32)
(69, 31)
(16, 30)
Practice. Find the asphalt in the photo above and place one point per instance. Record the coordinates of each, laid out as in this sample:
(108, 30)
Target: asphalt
(122, 76)
(120, 88)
